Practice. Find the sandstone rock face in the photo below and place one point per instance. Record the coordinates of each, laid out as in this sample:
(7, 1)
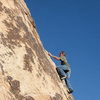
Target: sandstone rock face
(26, 70)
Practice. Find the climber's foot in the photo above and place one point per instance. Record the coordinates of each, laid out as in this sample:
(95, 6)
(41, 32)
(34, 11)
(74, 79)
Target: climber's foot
(63, 77)
(70, 91)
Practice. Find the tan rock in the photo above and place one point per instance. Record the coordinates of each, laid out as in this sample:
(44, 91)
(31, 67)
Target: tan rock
(26, 70)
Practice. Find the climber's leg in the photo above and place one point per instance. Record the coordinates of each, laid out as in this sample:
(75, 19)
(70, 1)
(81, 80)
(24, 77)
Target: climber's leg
(60, 70)
(70, 90)
(68, 82)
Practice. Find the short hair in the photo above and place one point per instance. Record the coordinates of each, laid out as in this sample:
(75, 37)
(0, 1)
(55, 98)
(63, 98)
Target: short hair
(63, 52)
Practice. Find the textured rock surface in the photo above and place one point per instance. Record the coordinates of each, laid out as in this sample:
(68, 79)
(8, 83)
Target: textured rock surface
(26, 71)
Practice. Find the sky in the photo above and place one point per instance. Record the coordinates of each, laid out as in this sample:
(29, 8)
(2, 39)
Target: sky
(74, 27)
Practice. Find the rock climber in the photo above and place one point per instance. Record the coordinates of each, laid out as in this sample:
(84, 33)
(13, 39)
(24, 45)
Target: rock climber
(63, 70)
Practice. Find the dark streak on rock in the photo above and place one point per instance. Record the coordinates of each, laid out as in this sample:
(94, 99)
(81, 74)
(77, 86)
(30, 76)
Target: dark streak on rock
(27, 65)
(15, 2)
(69, 98)
(13, 35)
(32, 22)
(9, 78)
(10, 13)
(2, 60)
(21, 24)
(2, 69)
(3, 39)
(29, 98)
(15, 85)
(5, 43)
(13, 31)
(1, 9)
(58, 97)
(15, 89)
(27, 59)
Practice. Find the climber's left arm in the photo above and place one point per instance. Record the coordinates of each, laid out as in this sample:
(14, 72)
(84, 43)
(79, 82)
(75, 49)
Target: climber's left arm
(55, 57)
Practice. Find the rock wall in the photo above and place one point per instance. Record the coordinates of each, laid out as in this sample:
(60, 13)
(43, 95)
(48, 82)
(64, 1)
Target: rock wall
(26, 70)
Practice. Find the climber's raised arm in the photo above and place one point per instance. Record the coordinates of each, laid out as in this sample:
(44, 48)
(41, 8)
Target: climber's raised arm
(55, 57)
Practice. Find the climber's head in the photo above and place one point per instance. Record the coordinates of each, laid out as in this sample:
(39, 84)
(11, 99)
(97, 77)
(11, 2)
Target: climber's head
(62, 53)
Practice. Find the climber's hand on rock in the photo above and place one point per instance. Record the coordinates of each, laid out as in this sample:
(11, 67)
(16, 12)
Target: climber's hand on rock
(49, 54)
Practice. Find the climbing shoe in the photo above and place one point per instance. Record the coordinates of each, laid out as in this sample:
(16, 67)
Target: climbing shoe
(70, 91)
